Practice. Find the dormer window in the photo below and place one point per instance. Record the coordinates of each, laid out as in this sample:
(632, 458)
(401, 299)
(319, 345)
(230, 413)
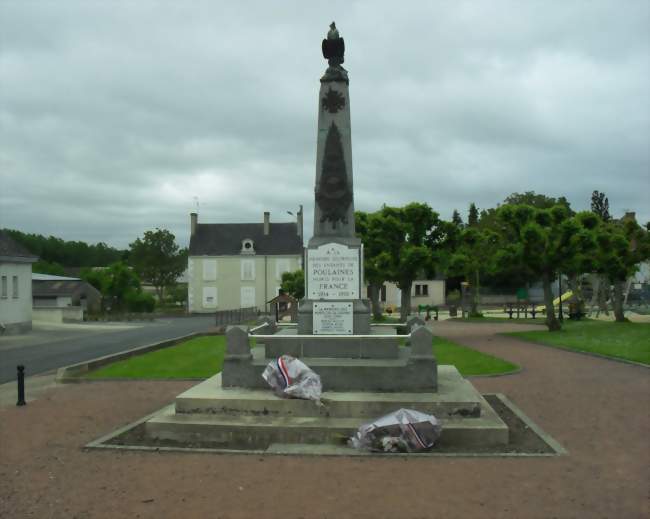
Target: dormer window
(247, 246)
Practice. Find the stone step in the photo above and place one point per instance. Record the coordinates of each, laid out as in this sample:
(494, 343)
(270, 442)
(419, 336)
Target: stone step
(260, 432)
(455, 397)
(403, 374)
(283, 343)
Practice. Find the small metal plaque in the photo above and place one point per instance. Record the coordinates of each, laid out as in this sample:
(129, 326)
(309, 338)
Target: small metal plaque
(333, 318)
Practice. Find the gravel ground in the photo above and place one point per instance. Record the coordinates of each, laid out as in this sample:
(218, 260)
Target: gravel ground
(597, 409)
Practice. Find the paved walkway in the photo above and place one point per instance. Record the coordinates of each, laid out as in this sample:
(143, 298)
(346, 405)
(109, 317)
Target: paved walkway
(596, 408)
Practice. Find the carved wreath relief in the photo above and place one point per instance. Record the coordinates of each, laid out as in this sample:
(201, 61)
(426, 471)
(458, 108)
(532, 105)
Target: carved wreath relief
(333, 101)
(333, 193)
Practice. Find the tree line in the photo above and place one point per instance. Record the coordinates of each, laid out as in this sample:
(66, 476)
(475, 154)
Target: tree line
(529, 238)
(154, 258)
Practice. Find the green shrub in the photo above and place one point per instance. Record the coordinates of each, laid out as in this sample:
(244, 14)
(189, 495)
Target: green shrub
(139, 302)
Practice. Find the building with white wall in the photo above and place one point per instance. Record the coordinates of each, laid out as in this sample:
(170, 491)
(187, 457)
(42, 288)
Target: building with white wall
(240, 265)
(15, 286)
(423, 292)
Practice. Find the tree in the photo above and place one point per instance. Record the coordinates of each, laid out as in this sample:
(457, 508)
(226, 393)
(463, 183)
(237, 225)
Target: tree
(456, 219)
(622, 246)
(158, 259)
(293, 283)
(409, 236)
(537, 201)
(369, 229)
(118, 283)
(67, 253)
(600, 205)
(546, 242)
(45, 267)
(473, 257)
(472, 216)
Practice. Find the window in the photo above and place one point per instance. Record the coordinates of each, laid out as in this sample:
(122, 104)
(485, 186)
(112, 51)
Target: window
(281, 266)
(15, 287)
(247, 246)
(209, 297)
(3, 293)
(209, 270)
(248, 270)
(247, 297)
(421, 290)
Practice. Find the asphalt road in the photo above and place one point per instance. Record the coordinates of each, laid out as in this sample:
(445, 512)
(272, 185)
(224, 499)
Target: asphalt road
(49, 347)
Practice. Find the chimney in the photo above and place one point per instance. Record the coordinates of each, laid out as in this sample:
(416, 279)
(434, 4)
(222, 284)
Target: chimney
(267, 223)
(299, 222)
(194, 217)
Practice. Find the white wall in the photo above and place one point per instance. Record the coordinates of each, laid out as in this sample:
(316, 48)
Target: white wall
(58, 314)
(16, 310)
(224, 279)
(436, 293)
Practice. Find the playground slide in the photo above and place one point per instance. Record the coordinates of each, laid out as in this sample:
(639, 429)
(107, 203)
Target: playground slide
(565, 297)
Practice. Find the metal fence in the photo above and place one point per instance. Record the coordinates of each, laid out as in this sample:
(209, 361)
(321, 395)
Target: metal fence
(236, 316)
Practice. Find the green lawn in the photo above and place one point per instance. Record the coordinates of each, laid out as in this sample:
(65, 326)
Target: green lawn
(503, 320)
(469, 361)
(202, 357)
(629, 341)
(387, 319)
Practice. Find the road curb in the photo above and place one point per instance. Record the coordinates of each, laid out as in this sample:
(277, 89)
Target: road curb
(74, 372)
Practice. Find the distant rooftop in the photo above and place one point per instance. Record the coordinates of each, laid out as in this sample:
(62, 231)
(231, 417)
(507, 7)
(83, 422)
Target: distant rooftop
(225, 239)
(50, 277)
(11, 249)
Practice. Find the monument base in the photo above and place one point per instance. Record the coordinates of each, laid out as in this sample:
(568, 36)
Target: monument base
(241, 418)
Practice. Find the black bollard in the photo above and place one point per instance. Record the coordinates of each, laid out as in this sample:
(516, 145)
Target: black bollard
(21, 385)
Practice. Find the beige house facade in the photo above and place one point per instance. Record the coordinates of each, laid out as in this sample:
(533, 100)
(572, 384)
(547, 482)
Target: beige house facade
(234, 266)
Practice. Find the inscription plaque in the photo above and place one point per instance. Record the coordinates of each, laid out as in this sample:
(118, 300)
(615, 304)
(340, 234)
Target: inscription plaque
(333, 272)
(332, 318)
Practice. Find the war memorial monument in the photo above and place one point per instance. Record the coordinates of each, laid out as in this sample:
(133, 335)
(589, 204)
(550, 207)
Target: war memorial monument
(366, 370)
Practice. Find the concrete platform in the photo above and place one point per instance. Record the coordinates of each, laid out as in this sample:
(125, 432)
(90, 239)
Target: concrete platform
(254, 419)
(455, 397)
(342, 374)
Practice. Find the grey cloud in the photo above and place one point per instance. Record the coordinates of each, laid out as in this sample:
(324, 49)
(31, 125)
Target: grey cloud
(113, 118)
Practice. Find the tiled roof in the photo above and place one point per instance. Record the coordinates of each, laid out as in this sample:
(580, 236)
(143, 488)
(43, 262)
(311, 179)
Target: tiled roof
(12, 249)
(225, 239)
(62, 288)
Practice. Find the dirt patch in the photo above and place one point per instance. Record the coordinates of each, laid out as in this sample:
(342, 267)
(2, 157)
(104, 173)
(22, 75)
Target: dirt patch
(522, 439)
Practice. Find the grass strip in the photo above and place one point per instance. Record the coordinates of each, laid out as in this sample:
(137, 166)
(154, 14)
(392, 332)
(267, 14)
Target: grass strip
(469, 361)
(202, 357)
(628, 341)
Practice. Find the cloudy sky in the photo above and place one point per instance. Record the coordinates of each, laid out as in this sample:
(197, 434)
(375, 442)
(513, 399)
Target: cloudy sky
(115, 117)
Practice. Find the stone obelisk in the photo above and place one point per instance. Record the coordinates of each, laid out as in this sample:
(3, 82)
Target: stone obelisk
(334, 285)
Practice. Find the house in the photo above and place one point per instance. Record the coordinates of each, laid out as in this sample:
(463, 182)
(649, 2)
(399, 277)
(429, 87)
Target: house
(15, 286)
(59, 299)
(423, 292)
(240, 265)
